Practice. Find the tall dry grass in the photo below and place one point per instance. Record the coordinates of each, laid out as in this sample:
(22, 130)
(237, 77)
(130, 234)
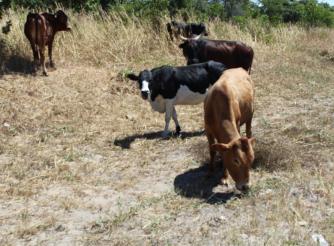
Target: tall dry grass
(122, 41)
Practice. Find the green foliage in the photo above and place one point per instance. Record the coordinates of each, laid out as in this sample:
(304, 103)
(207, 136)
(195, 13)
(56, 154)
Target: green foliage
(317, 15)
(148, 9)
(306, 12)
(216, 10)
(235, 7)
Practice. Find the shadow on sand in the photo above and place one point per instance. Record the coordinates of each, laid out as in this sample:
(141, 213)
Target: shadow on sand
(11, 62)
(195, 183)
(125, 142)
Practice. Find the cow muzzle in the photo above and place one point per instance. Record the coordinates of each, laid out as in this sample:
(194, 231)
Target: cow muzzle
(144, 94)
(242, 187)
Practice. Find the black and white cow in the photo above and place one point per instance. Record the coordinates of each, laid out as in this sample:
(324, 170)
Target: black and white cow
(166, 86)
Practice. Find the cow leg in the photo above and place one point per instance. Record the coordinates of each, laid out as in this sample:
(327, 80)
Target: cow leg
(168, 116)
(238, 125)
(224, 180)
(249, 129)
(50, 54)
(211, 141)
(177, 126)
(42, 54)
(35, 54)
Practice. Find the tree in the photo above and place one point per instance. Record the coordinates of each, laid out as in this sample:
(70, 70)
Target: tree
(317, 14)
(235, 7)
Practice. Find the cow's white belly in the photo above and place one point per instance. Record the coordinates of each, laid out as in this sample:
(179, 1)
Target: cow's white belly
(185, 96)
(159, 104)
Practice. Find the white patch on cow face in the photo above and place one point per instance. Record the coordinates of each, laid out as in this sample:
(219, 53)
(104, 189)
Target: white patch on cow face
(145, 91)
(186, 96)
(144, 86)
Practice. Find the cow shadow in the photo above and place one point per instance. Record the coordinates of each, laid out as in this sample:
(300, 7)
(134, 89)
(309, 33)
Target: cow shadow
(126, 142)
(14, 62)
(195, 183)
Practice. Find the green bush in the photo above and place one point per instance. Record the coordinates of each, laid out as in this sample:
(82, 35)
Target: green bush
(317, 15)
(307, 12)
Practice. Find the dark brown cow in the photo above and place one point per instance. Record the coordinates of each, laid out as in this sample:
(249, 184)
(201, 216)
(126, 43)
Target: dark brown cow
(40, 29)
(232, 54)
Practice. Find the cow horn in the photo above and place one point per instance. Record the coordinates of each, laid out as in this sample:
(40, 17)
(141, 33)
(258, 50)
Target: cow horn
(183, 38)
(197, 37)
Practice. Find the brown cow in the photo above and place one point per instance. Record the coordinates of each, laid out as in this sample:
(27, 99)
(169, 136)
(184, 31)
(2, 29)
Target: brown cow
(228, 105)
(232, 54)
(40, 29)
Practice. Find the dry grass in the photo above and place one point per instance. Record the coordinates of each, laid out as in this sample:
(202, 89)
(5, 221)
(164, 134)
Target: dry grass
(81, 161)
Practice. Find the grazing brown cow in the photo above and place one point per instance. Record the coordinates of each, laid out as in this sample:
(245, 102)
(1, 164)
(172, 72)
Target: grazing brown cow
(232, 54)
(228, 105)
(40, 29)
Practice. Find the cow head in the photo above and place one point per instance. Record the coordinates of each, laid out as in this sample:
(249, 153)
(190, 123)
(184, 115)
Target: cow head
(197, 29)
(144, 80)
(61, 21)
(238, 156)
(204, 31)
(190, 49)
(174, 24)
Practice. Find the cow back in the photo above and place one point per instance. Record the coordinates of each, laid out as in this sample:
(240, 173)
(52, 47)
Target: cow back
(35, 29)
(231, 53)
(239, 89)
(197, 77)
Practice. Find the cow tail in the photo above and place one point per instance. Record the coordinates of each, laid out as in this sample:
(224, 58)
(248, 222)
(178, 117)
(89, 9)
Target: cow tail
(36, 29)
(251, 61)
(250, 68)
(169, 29)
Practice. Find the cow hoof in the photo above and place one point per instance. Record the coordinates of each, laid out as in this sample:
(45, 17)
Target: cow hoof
(178, 131)
(45, 73)
(53, 66)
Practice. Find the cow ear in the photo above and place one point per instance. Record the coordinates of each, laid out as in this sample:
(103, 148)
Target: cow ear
(246, 143)
(220, 147)
(56, 14)
(60, 13)
(132, 76)
(252, 141)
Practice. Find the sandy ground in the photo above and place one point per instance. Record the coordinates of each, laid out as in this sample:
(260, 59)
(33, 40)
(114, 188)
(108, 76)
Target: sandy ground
(82, 162)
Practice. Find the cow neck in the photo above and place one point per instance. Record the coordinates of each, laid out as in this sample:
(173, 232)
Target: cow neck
(56, 28)
(231, 132)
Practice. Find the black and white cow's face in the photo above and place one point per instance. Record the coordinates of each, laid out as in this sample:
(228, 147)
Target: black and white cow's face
(144, 80)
